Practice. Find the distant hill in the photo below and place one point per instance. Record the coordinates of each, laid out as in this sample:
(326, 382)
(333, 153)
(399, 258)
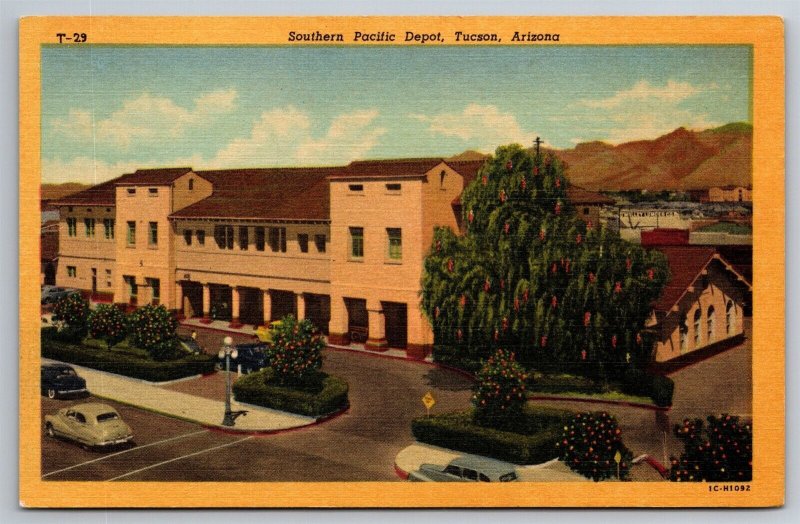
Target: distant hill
(468, 155)
(55, 191)
(680, 160)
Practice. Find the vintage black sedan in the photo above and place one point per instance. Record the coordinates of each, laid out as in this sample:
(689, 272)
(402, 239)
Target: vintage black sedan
(60, 380)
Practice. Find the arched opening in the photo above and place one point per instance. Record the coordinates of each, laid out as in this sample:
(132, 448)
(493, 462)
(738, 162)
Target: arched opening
(710, 324)
(683, 329)
(697, 336)
(730, 317)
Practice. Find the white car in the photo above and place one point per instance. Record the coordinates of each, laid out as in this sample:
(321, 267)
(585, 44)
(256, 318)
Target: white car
(466, 469)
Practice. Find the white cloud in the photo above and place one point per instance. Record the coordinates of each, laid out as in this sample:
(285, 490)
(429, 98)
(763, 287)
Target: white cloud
(146, 117)
(286, 136)
(94, 171)
(479, 126)
(672, 92)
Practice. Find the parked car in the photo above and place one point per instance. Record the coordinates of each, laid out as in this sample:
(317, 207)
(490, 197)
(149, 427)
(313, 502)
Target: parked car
(60, 380)
(264, 333)
(465, 469)
(251, 357)
(52, 294)
(190, 345)
(91, 425)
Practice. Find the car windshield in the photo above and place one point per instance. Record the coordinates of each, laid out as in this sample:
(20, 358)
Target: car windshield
(105, 417)
(66, 372)
(508, 477)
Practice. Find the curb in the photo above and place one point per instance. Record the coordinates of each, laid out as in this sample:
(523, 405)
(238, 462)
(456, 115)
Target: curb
(266, 432)
(149, 383)
(656, 465)
(217, 330)
(400, 472)
(590, 400)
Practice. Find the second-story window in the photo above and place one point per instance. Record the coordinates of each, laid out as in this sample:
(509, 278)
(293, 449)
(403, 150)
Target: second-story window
(356, 242)
(187, 237)
(395, 236)
(131, 233)
(153, 191)
(277, 239)
(223, 236)
(201, 237)
(302, 241)
(72, 226)
(152, 238)
(244, 239)
(319, 240)
(89, 223)
(260, 239)
(108, 225)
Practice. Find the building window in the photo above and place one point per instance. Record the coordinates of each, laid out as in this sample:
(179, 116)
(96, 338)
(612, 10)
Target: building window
(710, 318)
(72, 271)
(152, 238)
(201, 237)
(72, 226)
(319, 240)
(730, 317)
(131, 191)
(187, 236)
(442, 176)
(356, 187)
(683, 329)
(585, 210)
(302, 241)
(133, 289)
(277, 239)
(108, 225)
(697, 334)
(191, 184)
(153, 191)
(131, 233)
(223, 236)
(89, 223)
(356, 242)
(244, 239)
(260, 239)
(395, 236)
(155, 290)
(393, 188)
(108, 278)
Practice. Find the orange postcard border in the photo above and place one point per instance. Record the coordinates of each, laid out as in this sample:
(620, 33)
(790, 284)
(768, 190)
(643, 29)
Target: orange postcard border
(765, 34)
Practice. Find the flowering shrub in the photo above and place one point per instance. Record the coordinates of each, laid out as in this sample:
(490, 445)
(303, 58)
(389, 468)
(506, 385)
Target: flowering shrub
(499, 396)
(107, 323)
(153, 328)
(72, 312)
(589, 444)
(721, 452)
(296, 350)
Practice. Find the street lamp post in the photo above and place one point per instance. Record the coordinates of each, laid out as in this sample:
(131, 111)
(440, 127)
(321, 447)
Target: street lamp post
(229, 353)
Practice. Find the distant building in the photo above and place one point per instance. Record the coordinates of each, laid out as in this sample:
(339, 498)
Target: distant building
(633, 220)
(730, 193)
(702, 304)
(48, 243)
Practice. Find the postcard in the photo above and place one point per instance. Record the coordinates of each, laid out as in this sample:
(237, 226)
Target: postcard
(401, 262)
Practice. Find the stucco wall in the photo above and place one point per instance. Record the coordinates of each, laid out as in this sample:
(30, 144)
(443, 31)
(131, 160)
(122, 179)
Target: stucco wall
(84, 252)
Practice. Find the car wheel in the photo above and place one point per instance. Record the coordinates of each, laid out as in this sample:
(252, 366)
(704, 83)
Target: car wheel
(51, 393)
(50, 431)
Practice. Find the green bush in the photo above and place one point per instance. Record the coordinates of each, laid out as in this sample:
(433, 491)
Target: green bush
(659, 388)
(153, 328)
(589, 443)
(720, 452)
(123, 362)
(296, 350)
(456, 357)
(499, 393)
(107, 323)
(319, 394)
(72, 313)
(458, 431)
(554, 384)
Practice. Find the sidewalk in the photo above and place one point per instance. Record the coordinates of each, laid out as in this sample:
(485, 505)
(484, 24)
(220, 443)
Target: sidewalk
(203, 411)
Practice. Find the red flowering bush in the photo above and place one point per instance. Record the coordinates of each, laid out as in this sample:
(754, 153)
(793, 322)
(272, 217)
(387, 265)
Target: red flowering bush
(107, 323)
(589, 444)
(499, 396)
(71, 312)
(720, 452)
(153, 328)
(296, 350)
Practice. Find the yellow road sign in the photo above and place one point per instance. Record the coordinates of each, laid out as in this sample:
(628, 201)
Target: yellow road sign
(428, 400)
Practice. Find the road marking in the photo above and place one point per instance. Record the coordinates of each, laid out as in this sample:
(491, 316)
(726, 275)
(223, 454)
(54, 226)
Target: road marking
(125, 451)
(180, 458)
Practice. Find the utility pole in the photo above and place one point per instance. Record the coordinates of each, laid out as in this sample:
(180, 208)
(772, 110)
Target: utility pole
(536, 143)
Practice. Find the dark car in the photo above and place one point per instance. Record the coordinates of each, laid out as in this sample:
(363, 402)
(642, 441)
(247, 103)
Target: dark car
(60, 380)
(251, 357)
(190, 346)
(52, 294)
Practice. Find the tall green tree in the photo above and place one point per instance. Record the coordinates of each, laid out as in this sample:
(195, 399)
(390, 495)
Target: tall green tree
(153, 328)
(530, 276)
(107, 322)
(71, 313)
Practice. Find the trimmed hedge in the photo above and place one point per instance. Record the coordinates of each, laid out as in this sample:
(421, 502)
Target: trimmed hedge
(123, 363)
(321, 394)
(542, 429)
(554, 384)
(657, 387)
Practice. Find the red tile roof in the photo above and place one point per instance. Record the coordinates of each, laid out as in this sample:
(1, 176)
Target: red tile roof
(154, 177)
(577, 195)
(399, 168)
(265, 194)
(685, 265)
(466, 168)
(105, 194)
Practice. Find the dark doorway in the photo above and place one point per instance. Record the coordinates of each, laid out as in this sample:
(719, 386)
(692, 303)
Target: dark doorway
(221, 299)
(50, 274)
(283, 303)
(318, 311)
(192, 299)
(251, 306)
(94, 280)
(357, 319)
(396, 317)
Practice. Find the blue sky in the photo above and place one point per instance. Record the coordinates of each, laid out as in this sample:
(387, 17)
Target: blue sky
(107, 110)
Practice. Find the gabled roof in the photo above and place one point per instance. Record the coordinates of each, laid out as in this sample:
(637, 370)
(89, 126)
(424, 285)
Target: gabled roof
(154, 177)
(686, 263)
(466, 168)
(104, 194)
(264, 194)
(379, 169)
